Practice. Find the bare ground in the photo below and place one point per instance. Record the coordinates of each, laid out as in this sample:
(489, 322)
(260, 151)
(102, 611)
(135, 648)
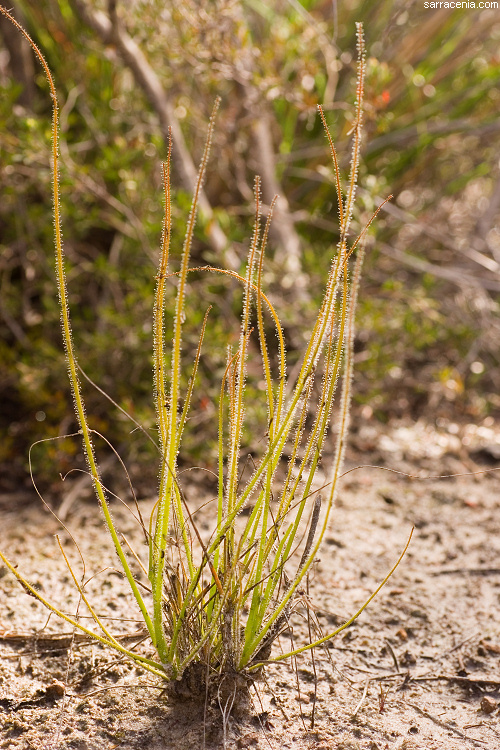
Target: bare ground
(419, 670)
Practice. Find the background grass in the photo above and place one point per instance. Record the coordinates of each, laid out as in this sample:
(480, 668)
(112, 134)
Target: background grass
(427, 342)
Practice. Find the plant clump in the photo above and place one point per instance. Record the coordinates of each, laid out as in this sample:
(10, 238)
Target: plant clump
(213, 607)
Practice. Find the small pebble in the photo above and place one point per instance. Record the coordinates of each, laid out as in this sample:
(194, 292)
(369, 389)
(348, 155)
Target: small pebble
(488, 705)
(55, 690)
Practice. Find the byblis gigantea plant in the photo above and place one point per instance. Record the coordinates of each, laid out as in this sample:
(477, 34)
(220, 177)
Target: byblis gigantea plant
(212, 609)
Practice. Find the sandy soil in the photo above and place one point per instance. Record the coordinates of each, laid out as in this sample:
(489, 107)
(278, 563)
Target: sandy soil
(419, 670)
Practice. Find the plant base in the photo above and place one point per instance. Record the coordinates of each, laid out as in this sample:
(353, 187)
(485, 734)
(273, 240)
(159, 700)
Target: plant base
(228, 689)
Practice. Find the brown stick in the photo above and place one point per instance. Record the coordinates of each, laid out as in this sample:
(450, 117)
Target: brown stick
(111, 31)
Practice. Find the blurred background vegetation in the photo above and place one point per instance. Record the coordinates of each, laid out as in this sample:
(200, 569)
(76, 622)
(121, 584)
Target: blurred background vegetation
(429, 325)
